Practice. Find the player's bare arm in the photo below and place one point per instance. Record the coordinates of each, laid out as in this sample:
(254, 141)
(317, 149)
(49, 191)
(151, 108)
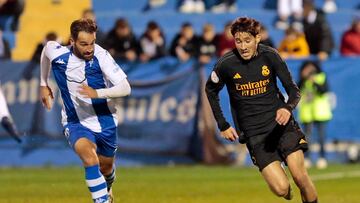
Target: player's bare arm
(282, 116)
(46, 96)
(88, 92)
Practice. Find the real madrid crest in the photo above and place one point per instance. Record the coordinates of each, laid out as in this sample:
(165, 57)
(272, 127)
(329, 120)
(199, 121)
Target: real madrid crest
(265, 70)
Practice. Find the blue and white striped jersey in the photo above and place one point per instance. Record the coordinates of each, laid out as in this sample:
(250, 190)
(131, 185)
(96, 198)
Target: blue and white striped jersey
(70, 72)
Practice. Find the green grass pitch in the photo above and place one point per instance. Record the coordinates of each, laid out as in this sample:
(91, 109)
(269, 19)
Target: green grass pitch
(179, 184)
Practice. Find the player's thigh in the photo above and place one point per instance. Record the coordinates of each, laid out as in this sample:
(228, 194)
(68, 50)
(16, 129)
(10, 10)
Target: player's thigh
(86, 150)
(276, 178)
(295, 162)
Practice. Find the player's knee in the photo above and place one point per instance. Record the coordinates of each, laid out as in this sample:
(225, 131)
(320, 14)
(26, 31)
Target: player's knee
(106, 168)
(89, 159)
(281, 189)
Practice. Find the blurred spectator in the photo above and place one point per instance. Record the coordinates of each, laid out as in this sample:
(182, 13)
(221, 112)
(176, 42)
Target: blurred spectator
(223, 6)
(317, 31)
(100, 35)
(314, 106)
(329, 6)
(35, 59)
(289, 11)
(12, 8)
(121, 42)
(152, 42)
(183, 45)
(293, 45)
(265, 38)
(350, 41)
(192, 6)
(153, 4)
(5, 52)
(225, 41)
(207, 44)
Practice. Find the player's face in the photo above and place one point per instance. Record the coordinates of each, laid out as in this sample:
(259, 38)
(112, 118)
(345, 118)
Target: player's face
(246, 44)
(84, 45)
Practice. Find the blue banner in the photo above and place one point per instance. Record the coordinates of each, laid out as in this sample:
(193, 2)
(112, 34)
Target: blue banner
(160, 116)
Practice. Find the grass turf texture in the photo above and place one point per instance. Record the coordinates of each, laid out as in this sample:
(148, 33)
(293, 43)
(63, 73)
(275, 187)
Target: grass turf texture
(179, 184)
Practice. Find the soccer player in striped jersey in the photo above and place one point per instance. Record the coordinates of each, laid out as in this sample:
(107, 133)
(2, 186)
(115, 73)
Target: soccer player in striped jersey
(5, 119)
(88, 78)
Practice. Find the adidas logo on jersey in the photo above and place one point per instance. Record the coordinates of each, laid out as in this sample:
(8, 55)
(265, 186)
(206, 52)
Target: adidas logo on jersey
(237, 76)
(60, 61)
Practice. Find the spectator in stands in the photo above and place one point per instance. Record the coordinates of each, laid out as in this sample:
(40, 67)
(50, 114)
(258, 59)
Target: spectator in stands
(121, 42)
(350, 42)
(100, 35)
(293, 45)
(183, 45)
(225, 41)
(5, 52)
(35, 59)
(223, 6)
(12, 8)
(265, 38)
(329, 6)
(207, 44)
(152, 43)
(153, 4)
(317, 31)
(289, 12)
(314, 106)
(192, 6)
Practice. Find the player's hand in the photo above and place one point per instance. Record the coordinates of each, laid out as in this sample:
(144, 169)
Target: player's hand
(229, 134)
(282, 116)
(46, 96)
(87, 91)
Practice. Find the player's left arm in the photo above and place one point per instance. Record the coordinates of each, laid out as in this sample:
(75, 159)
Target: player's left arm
(282, 71)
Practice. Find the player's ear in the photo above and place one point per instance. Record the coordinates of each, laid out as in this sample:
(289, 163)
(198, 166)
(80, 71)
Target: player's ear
(257, 38)
(72, 42)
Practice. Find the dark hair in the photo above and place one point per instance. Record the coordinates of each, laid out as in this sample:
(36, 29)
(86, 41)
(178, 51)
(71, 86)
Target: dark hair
(245, 24)
(89, 10)
(121, 23)
(82, 24)
(51, 36)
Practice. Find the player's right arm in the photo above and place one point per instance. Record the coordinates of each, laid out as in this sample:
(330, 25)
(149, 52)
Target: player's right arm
(46, 94)
(213, 86)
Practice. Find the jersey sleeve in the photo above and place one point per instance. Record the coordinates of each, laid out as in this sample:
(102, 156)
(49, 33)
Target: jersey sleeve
(110, 68)
(213, 86)
(51, 50)
(283, 73)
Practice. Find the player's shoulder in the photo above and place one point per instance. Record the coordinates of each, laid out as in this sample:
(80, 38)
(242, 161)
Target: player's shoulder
(226, 58)
(264, 49)
(54, 49)
(54, 45)
(100, 52)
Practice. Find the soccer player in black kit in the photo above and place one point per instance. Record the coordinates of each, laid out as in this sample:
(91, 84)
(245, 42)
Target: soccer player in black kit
(259, 109)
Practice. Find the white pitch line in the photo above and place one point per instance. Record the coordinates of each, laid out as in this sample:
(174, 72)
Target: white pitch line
(335, 175)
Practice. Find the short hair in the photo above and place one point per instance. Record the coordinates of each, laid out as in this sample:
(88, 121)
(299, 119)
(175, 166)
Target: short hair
(245, 24)
(86, 25)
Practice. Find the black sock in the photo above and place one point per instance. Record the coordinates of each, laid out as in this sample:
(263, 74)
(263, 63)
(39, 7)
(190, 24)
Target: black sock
(110, 179)
(10, 128)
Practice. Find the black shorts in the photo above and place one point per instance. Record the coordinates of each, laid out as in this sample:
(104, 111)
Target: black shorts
(276, 145)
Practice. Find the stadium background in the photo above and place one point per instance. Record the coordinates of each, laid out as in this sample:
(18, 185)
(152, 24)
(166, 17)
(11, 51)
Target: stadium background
(165, 121)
